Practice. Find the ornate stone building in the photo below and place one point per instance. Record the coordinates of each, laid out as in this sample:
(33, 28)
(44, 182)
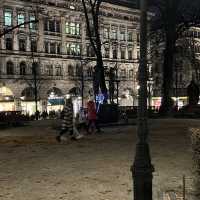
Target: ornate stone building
(186, 67)
(55, 53)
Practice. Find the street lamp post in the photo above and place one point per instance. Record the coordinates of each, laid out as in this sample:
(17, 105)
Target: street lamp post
(35, 69)
(142, 168)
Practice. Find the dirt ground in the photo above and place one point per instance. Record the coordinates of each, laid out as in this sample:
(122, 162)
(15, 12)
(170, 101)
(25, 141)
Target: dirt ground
(96, 167)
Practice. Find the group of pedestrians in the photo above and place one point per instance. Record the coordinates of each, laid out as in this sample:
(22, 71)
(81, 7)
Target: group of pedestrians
(72, 126)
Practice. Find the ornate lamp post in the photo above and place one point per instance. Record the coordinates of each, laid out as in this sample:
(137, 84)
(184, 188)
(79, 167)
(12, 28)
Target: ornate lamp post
(142, 168)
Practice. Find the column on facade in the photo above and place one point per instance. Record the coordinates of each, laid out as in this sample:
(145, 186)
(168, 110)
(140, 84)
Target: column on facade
(102, 39)
(135, 44)
(119, 40)
(2, 45)
(83, 37)
(126, 38)
(110, 50)
(28, 43)
(40, 43)
(118, 51)
(15, 35)
(63, 37)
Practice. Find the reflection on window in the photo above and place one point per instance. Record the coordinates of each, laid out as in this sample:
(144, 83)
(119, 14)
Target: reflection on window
(72, 28)
(32, 25)
(10, 68)
(123, 37)
(20, 19)
(58, 71)
(106, 33)
(8, 42)
(8, 18)
(33, 46)
(22, 44)
(114, 34)
(22, 68)
(70, 70)
(73, 49)
(49, 70)
(123, 53)
(130, 54)
(130, 36)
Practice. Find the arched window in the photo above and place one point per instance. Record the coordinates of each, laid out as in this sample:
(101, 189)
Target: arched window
(22, 68)
(49, 70)
(58, 70)
(10, 68)
(70, 70)
(78, 70)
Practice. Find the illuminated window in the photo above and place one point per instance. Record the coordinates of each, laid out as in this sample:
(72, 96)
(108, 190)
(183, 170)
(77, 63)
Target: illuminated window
(77, 29)
(67, 29)
(73, 49)
(72, 29)
(130, 36)
(20, 19)
(123, 37)
(72, 7)
(32, 25)
(8, 18)
(114, 34)
(106, 33)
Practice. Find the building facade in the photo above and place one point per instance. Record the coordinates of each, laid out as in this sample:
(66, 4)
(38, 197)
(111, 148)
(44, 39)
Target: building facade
(54, 55)
(186, 67)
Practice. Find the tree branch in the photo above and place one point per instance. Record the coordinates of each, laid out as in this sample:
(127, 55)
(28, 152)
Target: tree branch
(6, 31)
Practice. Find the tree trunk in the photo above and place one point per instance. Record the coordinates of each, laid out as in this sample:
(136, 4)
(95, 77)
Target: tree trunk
(167, 86)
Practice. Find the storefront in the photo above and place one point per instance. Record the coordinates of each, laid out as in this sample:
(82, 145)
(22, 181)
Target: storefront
(7, 102)
(182, 101)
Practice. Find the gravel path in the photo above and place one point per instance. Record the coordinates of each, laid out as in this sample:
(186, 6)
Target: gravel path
(94, 168)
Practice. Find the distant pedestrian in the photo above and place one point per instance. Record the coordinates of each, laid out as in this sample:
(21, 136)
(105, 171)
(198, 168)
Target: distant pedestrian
(67, 122)
(92, 117)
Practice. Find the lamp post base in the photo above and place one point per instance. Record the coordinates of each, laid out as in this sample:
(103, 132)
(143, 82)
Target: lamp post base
(142, 173)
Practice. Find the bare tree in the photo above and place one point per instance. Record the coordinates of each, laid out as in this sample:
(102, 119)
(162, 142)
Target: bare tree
(92, 11)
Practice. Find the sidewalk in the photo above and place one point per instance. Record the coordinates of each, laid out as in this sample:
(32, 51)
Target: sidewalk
(41, 131)
(96, 167)
(32, 132)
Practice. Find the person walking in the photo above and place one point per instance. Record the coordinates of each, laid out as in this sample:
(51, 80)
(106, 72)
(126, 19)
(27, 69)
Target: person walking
(92, 117)
(67, 125)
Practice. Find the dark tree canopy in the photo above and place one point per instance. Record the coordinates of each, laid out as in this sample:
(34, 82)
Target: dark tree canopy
(172, 18)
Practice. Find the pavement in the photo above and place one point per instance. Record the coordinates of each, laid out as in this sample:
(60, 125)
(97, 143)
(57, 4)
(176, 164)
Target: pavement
(42, 131)
(33, 166)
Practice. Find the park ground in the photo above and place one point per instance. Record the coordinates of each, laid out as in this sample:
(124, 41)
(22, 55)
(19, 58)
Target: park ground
(33, 166)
